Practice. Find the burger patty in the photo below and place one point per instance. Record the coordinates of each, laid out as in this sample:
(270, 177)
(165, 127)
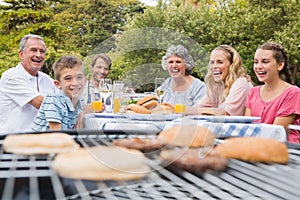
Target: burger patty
(145, 145)
(194, 160)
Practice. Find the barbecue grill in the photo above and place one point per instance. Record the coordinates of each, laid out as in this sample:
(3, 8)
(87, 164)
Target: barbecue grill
(32, 177)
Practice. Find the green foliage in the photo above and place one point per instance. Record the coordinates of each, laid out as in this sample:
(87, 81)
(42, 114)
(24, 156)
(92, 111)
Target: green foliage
(68, 27)
(136, 37)
(21, 18)
(243, 24)
(91, 22)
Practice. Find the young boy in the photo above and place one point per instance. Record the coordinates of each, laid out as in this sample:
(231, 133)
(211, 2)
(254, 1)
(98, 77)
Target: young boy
(63, 108)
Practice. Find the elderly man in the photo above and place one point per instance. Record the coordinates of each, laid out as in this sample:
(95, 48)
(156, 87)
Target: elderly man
(22, 87)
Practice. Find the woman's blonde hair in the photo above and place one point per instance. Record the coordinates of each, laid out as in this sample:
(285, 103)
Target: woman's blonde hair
(218, 91)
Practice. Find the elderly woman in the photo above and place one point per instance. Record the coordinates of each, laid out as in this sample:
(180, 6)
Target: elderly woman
(181, 86)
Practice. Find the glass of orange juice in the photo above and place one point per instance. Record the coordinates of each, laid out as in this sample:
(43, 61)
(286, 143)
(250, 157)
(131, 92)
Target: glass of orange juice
(116, 105)
(96, 102)
(180, 108)
(97, 106)
(180, 103)
(118, 88)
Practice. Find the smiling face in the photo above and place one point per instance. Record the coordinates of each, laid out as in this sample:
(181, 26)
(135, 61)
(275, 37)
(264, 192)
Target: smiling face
(99, 70)
(265, 65)
(33, 56)
(176, 66)
(219, 65)
(72, 81)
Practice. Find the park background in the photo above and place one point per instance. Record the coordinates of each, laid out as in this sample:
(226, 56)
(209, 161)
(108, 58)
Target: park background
(136, 36)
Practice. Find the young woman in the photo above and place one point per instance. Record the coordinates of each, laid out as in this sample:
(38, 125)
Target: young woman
(226, 82)
(277, 101)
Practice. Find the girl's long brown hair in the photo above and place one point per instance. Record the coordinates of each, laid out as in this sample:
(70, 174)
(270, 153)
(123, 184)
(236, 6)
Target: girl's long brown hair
(280, 55)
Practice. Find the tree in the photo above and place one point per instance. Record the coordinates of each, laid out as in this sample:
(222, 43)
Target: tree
(243, 24)
(20, 18)
(290, 39)
(68, 27)
(91, 22)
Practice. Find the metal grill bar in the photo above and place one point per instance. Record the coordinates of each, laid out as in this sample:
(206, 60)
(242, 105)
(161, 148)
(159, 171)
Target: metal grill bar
(82, 191)
(226, 186)
(156, 179)
(33, 183)
(9, 183)
(237, 185)
(57, 187)
(241, 180)
(108, 194)
(274, 182)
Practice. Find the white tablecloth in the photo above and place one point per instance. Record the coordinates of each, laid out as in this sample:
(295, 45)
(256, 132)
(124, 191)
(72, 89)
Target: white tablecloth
(153, 127)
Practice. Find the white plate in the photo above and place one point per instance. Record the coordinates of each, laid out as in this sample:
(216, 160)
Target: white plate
(294, 127)
(108, 115)
(153, 117)
(226, 119)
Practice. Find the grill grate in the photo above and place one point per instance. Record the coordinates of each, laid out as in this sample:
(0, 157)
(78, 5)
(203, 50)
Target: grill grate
(32, 177)
(145, 191)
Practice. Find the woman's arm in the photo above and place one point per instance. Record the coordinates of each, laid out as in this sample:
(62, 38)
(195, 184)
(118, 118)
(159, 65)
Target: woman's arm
(196, 110)
(213, 111)
(284, 121)
(247, 112)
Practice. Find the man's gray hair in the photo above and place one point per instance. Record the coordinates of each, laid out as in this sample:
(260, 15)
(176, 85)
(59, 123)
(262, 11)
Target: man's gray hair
(27, 37)
(181, 52)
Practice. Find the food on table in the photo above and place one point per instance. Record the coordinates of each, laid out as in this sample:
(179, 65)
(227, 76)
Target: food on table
(150, 105)
(254, 149)
(163, 108)
(46, 143)
(132, 101)
(148, 102)
(102, 163)
(137, 109)
(146, 99)
(187, 135)
(145, 145)
(195, 160)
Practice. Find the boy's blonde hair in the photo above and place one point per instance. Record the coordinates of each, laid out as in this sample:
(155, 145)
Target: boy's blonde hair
(66, 62)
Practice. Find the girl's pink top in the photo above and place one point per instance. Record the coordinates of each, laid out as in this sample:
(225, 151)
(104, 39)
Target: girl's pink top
(287, 103)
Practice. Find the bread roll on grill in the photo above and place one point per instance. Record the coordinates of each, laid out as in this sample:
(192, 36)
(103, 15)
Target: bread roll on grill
(46, 143)
(102, 163)
(187, 135)
(254, 149)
